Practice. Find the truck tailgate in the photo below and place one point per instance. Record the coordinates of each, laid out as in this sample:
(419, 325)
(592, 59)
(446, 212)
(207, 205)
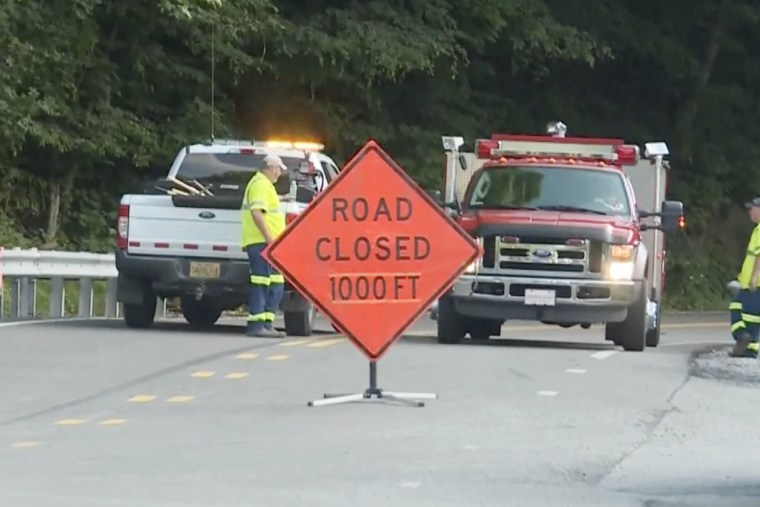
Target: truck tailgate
(157, 227)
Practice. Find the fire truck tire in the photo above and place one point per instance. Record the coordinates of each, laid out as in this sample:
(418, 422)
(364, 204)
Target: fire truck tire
(299, 323)
(634, 328)
(451, 326)
(140, 316)
(201, 314)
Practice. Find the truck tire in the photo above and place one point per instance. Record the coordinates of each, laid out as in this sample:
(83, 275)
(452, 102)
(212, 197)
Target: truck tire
(141, 316)
(634, 328)
(201, 314)
(451, 326)
(653, 335)
(299, 323)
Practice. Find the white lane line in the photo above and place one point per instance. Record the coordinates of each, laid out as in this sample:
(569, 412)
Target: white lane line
(548, 393)
(410, 484)
(604, 354)
(575, 370)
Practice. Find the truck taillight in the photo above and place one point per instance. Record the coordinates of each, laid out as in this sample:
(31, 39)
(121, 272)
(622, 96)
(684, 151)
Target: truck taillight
(122, 227)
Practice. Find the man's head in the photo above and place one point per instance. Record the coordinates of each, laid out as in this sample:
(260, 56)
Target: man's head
(753, 207)
(273, 167)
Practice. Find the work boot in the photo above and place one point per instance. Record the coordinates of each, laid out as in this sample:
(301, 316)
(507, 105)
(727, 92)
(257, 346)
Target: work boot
(264, 333)
(741, 349)
(271, 328)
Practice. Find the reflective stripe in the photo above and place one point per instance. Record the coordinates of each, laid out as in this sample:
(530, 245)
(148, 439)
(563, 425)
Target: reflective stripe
(737, 326)
(736, 305)
(751, 319)
(754, 347)
(277, 278)
(260, 280)
(257, 317)
(269, 316)
(261, 205)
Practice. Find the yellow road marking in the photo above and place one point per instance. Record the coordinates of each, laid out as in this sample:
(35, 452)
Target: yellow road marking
(203, 374)
(112, 422)
(246, 356)
(236, 375)
(70, 422)
(294, 343)
(142, 398)
(326, 343)
(25, 444)
(278, 357)
(179, 399)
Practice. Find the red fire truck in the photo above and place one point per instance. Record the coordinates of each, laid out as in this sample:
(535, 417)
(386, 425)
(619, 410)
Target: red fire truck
(562, 222)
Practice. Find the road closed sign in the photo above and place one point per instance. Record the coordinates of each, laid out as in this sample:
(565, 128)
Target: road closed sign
(373, 251)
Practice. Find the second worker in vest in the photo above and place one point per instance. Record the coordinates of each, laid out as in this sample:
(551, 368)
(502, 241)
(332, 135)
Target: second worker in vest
(263, 221)
(745, 308)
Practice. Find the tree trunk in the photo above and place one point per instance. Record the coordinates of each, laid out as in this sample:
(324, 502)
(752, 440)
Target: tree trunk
(690, 108)
(54, 211)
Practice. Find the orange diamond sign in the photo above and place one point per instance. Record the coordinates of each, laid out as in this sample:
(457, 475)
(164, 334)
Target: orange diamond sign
(373, 251)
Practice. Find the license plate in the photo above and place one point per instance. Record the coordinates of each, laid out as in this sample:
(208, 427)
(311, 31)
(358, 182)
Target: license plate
(204, 270)
(540, 297)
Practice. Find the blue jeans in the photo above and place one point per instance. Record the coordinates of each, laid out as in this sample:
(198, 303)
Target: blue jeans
(745, 315)
(266, 289)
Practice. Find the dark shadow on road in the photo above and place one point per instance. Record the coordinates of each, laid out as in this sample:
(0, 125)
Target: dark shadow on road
(178, 326)
(527, 343)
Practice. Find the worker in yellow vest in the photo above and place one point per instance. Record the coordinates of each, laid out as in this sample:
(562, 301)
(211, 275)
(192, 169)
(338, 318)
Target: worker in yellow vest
(263, 221)
(745, 308)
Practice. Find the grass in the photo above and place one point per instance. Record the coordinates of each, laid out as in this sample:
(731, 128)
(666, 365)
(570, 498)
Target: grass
(71, 300)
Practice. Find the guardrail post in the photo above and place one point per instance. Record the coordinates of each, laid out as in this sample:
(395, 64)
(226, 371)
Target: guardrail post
(32, 297)
(85, 297)
(112, 307)
(57, 298)
(160, 312)
(15, 289)
(23, 297)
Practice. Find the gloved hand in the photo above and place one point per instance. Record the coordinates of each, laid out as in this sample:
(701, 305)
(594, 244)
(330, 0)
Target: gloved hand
(734, 287)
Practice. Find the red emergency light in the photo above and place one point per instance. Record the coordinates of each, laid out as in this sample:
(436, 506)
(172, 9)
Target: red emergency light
(612, 151)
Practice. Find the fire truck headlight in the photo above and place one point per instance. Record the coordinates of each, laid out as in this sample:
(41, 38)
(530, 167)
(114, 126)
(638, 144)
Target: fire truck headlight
(621, 270)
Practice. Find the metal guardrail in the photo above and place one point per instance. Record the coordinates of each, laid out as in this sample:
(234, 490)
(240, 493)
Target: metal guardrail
(32, 273)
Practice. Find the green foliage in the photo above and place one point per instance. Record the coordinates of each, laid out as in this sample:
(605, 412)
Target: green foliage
(98, 95)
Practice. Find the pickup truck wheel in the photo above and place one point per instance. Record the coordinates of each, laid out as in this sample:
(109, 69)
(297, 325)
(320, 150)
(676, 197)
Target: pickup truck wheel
(140, 316)
(634, 327)
(451, 326)
(483, 329)
(299, 323)
(201, 314)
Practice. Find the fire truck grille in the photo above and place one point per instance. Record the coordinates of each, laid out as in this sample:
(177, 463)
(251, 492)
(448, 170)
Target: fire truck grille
(542, 255)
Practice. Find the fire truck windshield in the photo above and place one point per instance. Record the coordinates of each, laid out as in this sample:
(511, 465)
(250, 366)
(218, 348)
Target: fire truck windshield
(550, 188)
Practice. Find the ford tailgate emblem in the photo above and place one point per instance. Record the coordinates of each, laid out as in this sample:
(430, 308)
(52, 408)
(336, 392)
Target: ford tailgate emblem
(206, 214)
(542, 253)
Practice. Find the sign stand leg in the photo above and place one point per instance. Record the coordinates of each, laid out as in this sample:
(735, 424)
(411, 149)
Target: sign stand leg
(373, 391)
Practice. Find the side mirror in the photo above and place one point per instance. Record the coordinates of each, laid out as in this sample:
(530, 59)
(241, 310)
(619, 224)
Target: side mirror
(671, 217)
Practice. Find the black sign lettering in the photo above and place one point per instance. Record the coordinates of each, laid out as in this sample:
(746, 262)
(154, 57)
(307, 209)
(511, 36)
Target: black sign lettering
(318, 249)
(371, 287)
(339, 205)
(403, 209)
(360, 209)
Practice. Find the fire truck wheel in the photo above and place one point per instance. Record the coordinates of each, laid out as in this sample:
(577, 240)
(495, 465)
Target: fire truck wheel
(634, 327)
(201, 314)
(451, 325)
(653, 335)
(142, 315)
(299, 323)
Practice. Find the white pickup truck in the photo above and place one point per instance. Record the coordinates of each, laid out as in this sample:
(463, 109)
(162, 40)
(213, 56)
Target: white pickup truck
(173, 242)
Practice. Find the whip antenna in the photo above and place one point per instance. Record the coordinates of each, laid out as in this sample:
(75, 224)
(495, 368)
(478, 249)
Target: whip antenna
(213, 75)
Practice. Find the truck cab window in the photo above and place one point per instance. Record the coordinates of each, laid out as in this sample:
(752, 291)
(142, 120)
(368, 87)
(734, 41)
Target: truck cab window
(551, 188)
(231, 171)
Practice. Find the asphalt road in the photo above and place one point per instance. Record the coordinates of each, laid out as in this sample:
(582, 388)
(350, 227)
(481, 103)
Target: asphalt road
(95, 415)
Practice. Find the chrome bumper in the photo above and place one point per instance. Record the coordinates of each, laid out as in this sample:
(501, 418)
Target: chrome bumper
(568, 290)
(578, 300)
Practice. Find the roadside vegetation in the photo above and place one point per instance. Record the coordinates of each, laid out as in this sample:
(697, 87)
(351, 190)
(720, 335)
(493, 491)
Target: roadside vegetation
(97, 96)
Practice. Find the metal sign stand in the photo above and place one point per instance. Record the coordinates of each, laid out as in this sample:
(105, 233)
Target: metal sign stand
(411, 399)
